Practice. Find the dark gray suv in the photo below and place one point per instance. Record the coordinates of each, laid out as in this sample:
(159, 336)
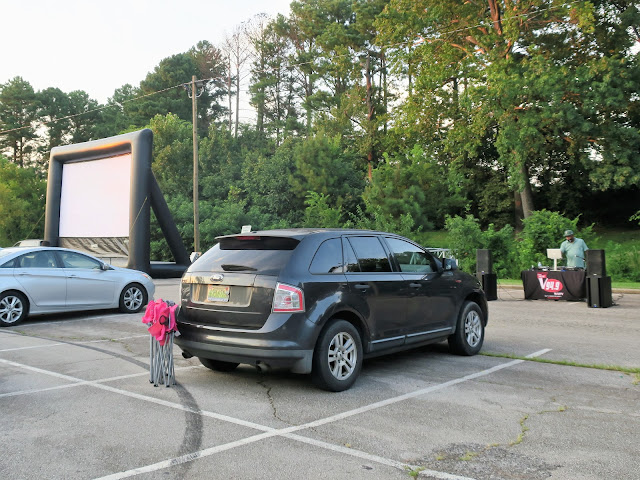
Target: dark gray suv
(320, 301)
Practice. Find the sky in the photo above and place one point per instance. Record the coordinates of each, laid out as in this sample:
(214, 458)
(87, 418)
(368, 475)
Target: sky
(99, 46)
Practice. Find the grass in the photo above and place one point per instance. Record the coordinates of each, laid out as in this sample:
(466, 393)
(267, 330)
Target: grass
(615, 368)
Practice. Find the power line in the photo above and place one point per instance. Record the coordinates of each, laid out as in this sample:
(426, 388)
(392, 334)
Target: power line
(285, 66)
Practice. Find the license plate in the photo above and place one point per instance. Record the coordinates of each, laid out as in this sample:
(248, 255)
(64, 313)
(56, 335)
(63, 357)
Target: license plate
(217, 293)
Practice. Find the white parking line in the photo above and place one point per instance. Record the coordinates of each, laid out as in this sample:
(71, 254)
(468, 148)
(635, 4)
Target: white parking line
(45, 345)
(81, 319)
(85, 382)
(269, 432)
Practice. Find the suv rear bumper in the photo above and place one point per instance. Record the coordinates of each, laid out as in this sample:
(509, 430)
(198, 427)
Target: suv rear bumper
(282, 343)
(297, 361)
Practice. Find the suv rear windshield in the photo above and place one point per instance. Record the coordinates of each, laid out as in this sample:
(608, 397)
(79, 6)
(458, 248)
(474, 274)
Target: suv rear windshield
(250, 254)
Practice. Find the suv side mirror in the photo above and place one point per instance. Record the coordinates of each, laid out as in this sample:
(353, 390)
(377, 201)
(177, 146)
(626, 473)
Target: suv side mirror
(450, 264)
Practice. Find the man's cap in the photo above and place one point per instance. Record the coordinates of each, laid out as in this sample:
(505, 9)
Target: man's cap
(568, 233)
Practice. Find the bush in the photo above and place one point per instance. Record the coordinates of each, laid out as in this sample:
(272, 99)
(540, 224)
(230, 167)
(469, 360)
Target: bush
(465, 237)
(623, 262)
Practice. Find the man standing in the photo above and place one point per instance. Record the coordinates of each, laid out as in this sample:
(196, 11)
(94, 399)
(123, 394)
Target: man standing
(573, 248)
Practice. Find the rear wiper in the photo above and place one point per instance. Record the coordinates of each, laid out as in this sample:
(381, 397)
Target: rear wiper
(230, 267)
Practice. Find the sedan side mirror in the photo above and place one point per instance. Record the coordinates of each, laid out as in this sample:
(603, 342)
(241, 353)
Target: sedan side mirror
(104, 267)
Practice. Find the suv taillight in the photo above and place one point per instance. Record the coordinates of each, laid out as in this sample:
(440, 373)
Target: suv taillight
(288, 299)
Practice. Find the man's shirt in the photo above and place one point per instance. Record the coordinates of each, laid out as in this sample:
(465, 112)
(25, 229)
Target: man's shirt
(574, 251)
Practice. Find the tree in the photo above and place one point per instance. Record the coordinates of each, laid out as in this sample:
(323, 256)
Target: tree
(119, 116)
(22, 199)
(172, 154)
(237, 47)
(413, 184)
(55, 107)
(321, 166)
(161, 91)
(522, 75)
(18, 115)
(273, 88)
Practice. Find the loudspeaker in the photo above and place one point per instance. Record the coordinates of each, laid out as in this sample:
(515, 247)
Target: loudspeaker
(490, 285)
(484, 262)
(596, 263)
(599, 292)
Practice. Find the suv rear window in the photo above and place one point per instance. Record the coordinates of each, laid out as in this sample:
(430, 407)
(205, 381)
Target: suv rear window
(250, 254)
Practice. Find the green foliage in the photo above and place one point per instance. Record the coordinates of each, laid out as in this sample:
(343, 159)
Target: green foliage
(322, 166)
(623, 261)
(319, 214)
(18, 113)
(172, 154)
(412, 184)
(466, 236)
(22, 195)
(372, 218)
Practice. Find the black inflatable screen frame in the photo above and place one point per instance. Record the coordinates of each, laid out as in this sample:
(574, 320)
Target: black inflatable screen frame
(145, 194)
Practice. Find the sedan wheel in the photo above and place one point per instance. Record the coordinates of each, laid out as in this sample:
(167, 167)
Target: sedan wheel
(337, 359)
(469, 334)
(13, 309)
(133, 298)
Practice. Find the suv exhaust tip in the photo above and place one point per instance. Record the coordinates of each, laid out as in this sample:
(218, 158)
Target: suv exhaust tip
(263, 367)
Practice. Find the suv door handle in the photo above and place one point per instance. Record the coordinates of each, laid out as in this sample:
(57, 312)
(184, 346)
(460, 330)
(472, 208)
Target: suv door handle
(362, 286)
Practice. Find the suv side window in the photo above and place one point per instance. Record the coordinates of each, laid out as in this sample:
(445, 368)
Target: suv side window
(328, 258)
(411, 258)
(350, 260)
(371, 255)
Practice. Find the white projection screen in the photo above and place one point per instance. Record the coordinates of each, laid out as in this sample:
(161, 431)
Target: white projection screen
(94, 199)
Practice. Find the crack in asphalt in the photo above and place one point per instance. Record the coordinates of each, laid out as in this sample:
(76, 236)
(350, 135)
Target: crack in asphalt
(274, 409)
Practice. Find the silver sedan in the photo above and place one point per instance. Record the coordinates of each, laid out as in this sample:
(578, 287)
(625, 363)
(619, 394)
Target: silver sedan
(39, 280)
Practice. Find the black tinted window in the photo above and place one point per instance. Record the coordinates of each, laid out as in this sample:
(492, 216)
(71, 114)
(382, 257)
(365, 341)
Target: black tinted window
(350, 260)
(263, 255)
(371, 254)
(258, 243)
(328, 258)
(411, 258)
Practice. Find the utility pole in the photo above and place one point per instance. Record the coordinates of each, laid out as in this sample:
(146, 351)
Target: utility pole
(193, 93)
(196, 183)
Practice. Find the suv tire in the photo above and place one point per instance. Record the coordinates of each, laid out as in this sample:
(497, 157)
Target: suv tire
(337, 358)
(469, 334)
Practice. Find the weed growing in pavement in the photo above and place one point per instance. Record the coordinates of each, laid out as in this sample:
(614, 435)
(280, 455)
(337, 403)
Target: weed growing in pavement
(414, 472)
(523, 430)
(469, 456)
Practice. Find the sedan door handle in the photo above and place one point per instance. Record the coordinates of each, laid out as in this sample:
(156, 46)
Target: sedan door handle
(362, 286)
(415, 285)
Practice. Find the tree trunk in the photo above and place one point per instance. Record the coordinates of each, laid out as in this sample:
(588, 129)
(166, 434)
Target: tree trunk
(370, 112)
(229, 95)
(526, 193)
(518, 215)
(237, 99)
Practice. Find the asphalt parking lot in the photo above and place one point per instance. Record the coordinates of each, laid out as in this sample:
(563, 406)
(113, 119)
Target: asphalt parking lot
(76, 403)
